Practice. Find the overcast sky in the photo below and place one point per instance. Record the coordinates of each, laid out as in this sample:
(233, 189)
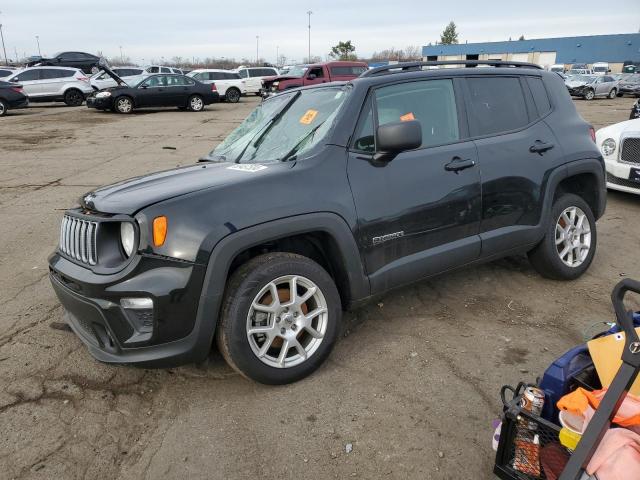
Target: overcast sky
(199, 28)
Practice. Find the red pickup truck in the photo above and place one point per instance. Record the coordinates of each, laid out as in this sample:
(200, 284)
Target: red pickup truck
(313, 74)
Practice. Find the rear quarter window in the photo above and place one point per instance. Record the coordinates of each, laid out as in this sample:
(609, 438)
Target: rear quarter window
(496, 105)
(540, 96)
(350, 71)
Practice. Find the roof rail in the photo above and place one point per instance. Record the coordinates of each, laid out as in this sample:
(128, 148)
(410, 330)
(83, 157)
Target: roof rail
(413, 66)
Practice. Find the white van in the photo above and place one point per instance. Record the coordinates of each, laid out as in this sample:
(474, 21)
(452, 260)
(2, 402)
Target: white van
(600, 68)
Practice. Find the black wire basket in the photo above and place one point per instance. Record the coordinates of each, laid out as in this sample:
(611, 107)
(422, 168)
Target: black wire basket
(529, 447)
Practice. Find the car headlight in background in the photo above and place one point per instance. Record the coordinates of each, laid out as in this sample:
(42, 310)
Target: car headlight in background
(103, 94)
(127, 237)
(608, 146)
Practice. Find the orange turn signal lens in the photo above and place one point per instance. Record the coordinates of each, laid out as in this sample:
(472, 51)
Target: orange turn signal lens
(159, 230)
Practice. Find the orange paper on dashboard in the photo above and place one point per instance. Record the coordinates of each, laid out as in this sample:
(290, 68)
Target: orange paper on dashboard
(606, 353)
(308, 117)
(407, 117)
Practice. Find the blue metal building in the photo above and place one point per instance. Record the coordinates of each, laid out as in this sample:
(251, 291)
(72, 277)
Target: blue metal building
(615, 49)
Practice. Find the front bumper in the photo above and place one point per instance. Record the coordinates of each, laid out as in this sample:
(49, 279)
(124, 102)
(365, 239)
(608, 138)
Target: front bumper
(618, 176)
(99, 103)
(170, 334)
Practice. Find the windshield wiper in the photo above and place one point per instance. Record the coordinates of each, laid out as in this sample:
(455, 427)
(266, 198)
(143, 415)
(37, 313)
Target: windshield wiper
(267, 128)
(291, 154)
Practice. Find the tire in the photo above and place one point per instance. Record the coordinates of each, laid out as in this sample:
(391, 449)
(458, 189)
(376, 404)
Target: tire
(612, 93)
(195, 103)
(123, 104)
(232, 95)
(4, 108)
(589, 95)
(547, 257)
(73, 97)
(255, 283)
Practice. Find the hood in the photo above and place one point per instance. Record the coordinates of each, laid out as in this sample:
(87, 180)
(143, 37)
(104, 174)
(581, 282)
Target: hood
(131, 195)
(576, 83)
(618, 129)
(279, 78)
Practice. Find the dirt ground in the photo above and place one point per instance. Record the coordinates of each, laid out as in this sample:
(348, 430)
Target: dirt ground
(409, 392)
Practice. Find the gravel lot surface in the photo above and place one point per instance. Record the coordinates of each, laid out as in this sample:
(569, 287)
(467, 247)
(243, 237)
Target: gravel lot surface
(409, 392)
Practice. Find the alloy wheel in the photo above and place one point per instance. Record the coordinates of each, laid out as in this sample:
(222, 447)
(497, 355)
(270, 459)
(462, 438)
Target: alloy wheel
(287, 321)
(589, 95)
(2, 109)
(196, 104)
(233, 96)
(123, 105)
(573, 236)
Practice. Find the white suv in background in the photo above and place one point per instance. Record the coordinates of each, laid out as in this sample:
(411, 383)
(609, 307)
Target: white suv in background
(620, 147)
(253, 77)
(53, 84)
(131, 75)
(228, 84)
(162, 69)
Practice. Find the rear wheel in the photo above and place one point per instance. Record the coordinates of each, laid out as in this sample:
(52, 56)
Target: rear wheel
(612, 93)
(123, 105)
(232, 95)
(195, 103)
(73, 97)
(589, 95)
(3, 108)
(569, 245)
(280, 318)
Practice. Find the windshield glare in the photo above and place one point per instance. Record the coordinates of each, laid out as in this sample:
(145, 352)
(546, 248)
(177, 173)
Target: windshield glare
(283, 127)
(296, 71)
(583, 78)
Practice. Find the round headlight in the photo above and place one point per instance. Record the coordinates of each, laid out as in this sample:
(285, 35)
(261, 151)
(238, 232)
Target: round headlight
(608, 147)
(127, 237)
(103, 94)
(275, 84)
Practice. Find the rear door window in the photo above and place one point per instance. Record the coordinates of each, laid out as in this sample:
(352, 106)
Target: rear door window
(255, 72)
(347, 71)
(431, 102)
(28, 76)
(496, 105)
(165, 70)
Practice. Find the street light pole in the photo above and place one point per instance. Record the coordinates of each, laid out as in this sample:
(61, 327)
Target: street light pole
(3, 48)
(277, 55)
(309, 56)
(257, 48)
(121, 56)
(38, 40)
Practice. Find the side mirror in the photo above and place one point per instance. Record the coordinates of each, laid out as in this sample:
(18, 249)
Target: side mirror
(144, 86)
(397, 137)
(312, 76)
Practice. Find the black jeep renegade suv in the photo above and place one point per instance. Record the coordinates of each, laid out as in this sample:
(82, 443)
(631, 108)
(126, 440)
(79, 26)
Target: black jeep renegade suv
(322, 198)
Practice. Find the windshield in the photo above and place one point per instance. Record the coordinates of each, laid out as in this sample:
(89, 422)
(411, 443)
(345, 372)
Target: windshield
(583, 78)
(296, 71)
(283, 126)
(600, 69)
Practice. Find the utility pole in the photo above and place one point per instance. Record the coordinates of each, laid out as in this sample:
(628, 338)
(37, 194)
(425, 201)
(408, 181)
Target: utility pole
(277, 55)
(309, 13)
(38, 40)
(257, 48)
(121, 56)
(16, 52)
(3, 47)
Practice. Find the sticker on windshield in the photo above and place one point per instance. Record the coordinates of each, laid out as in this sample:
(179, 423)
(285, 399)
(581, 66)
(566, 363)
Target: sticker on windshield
(247, 167)
(407, 117)
(308, 117)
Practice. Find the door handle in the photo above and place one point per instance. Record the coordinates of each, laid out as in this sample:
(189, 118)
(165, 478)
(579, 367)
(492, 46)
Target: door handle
(540, 147)
(457, 164)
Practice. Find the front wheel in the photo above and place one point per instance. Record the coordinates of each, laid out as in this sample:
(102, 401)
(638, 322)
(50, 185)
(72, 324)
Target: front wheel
(123, 105)
(3, 108)
(589, 95)
(612, 93)
(280, 318)
(569, 244)
(195, 103)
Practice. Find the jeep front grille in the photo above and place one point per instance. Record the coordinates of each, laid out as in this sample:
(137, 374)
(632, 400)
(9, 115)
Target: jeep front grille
(78, 239)
(630, 151)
